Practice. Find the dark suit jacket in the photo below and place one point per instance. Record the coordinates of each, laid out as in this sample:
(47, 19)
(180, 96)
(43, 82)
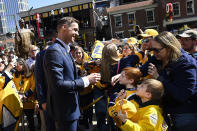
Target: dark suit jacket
(63, 83)
(41, 86)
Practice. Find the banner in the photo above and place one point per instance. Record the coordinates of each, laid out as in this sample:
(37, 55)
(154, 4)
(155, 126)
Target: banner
(97, 50)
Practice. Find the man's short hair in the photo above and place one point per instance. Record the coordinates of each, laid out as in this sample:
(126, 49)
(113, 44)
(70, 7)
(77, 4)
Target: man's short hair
(155, 87)
(189, 34)
(66, 20)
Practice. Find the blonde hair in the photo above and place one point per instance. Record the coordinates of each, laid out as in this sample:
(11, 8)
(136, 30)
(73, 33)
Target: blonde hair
(155, 87)
(169, 41)
(109, 57)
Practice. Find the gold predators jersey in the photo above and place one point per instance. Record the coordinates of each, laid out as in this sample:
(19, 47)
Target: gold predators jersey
(148, 118)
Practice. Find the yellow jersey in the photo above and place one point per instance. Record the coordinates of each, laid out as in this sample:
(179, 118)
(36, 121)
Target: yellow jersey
(147, 118)
(25, 85)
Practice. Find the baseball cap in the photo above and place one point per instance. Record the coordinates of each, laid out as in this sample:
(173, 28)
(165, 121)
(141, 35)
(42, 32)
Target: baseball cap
(149, 33)
(189, 33)
(132, 40)
(21, 21)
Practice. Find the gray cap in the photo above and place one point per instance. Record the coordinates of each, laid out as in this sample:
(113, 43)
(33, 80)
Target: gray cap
(21, 21)
(189, 34)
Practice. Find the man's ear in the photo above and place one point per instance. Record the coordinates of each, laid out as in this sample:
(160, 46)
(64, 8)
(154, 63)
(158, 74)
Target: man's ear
(195, 42)
(64, 26)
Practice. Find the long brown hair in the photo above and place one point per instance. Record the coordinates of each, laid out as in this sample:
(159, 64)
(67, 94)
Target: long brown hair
(109, 57)
(26, 70)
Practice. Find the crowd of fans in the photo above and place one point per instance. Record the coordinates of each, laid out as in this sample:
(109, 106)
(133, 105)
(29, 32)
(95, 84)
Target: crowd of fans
(147, 83)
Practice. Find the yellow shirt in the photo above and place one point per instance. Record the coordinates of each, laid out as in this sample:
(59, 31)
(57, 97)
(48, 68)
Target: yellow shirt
(148, 118)
(26, 85)
(129, 105)
(2, 82)
(10, 99)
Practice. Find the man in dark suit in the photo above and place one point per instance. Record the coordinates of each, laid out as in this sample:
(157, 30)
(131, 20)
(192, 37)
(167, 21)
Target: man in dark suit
(47, 122)
(62, 80)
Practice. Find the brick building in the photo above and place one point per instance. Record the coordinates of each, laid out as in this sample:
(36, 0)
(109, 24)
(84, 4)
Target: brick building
(123, 18)
(151, 14)
(185, 13)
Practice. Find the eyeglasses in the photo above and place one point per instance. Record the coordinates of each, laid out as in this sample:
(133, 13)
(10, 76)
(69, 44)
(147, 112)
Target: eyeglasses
(34, 50)
(186, 39)
(126, 48)
(78, 53)
(156, 50)
(145, 40)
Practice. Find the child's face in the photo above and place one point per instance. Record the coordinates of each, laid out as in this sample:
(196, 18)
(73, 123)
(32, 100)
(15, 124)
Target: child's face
(123, 79)
(141, 90)
(19, 67)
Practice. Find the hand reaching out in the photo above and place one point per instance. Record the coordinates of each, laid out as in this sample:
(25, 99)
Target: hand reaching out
(115, 79)
(94, 78)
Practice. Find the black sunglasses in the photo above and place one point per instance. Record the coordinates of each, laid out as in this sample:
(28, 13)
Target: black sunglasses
(156, 50)
(145, 40)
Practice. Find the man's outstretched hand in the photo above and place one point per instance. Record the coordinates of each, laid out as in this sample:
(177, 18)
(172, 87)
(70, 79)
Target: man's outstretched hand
(94, 78)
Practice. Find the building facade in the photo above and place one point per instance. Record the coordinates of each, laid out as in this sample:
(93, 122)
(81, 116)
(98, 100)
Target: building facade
(151, 14)
(184, 14)
(8, 11)
(124, 18)
(82, 10)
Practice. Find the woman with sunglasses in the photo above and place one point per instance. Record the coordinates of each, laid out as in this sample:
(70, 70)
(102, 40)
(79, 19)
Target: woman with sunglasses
(25, 84)
(178, 72)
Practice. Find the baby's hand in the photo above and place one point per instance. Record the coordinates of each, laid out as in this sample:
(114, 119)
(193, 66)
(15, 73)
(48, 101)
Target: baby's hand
(121, 102)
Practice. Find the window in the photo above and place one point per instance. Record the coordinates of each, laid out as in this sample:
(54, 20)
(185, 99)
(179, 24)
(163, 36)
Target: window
(118, 21)
(119, 35)
(150, 15)
(132, 33)
(152, 27)
(176, 9)
(117, 2)
(131, 19)
(190, 7)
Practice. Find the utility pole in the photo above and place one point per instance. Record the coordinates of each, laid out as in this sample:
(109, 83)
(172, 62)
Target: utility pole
(29, 15)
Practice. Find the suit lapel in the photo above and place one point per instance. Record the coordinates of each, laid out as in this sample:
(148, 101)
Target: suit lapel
(75, 69)
(67, 55)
